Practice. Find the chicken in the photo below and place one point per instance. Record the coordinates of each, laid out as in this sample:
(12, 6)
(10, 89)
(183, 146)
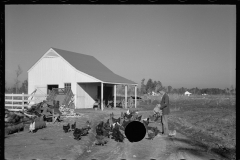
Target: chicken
(116, 134)
(77, 133)
(106, 133)
(124, 124)
(73, 126)
(37, 123)
(100, 140)
(99, 128)
(87, 125)
(122, 115)
(106, 129)
(40, 124)
(153, 133)
(128, 112)
(32, 127)
(84, 132)
(114, 120)
(146, 122)
(128, 116)
(103, 129)
(106, 124)
(66, 128)
(139, 118)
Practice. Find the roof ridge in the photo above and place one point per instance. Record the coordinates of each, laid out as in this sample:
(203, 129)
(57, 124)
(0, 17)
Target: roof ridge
(71, 51)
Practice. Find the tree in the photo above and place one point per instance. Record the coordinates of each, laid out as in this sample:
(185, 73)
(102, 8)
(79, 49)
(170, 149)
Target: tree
(158, 86)
(228, 91)
(24, 88)
(18, 73)
(149, 85)
(143, 86)
(154, 85)
(232, 90)
(169, 89)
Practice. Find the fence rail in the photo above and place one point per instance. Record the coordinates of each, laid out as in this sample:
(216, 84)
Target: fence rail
(16, 102)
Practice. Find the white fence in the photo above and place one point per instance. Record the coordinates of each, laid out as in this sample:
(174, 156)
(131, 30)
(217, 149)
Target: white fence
(16, 102)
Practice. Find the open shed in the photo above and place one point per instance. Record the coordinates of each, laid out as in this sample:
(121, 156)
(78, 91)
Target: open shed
(87, 77)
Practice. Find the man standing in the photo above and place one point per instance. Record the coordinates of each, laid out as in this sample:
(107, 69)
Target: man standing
(165, 112)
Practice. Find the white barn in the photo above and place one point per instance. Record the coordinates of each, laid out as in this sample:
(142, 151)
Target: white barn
(88, 78)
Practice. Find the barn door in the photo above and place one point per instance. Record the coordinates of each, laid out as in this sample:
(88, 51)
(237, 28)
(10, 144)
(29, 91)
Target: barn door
(81, 95)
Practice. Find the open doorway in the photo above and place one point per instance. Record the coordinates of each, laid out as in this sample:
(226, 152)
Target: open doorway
(50, 87)
(107, 94)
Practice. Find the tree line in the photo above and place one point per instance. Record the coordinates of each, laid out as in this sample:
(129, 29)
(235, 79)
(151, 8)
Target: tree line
(156, 86)
(145, 88)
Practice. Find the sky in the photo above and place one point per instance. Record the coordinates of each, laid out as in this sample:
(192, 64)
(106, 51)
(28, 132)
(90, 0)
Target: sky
(179, 45)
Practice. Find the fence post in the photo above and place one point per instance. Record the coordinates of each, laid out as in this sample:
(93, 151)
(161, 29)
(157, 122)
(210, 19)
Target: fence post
(12, 101)
(22, 101)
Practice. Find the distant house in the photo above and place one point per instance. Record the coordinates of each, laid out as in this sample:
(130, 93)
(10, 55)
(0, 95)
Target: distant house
(187, 93)
(87, 77)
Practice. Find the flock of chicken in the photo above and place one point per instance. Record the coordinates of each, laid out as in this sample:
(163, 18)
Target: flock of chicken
(77, 132)
(113, 127)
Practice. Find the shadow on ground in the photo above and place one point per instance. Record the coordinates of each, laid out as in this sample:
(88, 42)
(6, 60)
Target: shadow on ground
(200, 149)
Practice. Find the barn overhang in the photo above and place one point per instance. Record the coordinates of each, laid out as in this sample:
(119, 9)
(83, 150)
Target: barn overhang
(104, 92)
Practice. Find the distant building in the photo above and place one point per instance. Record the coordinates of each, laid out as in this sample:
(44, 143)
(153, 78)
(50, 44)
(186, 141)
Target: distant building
(187, 93)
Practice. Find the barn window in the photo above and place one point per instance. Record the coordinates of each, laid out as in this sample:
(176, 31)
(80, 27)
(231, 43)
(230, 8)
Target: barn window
(67, 85)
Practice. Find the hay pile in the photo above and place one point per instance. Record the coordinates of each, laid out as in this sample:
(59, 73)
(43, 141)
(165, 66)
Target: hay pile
(68, 111)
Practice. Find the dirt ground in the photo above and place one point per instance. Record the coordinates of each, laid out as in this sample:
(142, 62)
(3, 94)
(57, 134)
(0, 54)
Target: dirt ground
(51, 143)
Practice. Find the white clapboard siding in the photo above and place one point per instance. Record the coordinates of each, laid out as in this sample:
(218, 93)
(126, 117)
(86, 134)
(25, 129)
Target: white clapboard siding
(51, 71)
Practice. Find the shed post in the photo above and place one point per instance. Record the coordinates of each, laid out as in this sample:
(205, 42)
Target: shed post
(135, 96)
(101, 96)
(125, 96)
(115, 95)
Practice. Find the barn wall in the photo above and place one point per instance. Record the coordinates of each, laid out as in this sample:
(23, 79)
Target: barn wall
(86, 94)
(55, 70)
(51, 71)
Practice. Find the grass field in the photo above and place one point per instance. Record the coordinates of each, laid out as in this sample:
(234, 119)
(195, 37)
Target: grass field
(208, 120)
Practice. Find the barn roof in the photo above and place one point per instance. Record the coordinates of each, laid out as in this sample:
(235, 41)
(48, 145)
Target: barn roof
(91, 66)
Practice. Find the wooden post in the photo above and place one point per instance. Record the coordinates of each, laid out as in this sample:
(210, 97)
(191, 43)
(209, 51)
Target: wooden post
(22, 101)
(135, 96)
(115, 95)
(125, 96)
(101, 96)
(12, 101)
